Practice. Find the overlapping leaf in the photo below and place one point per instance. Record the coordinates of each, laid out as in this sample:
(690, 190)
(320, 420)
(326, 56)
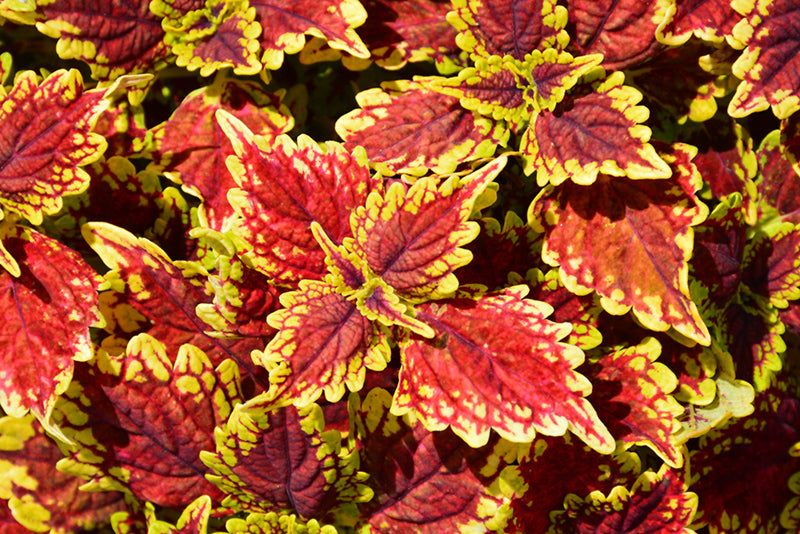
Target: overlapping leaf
(162, 292)
(733, 398)
(496, 363)
(277, 523)
(49, 306)
(772, 265)
(632, 393)
(193, 519)
(777, 182)
(212, 36)
(770, 63)
(140, 421)
(408, 128)
(114, 37)
(412, 237)
(191, 148)
(762, 450)
(280, 459)
(508, 27)
(657, 502)
(46, 139)
(40, 497)
(596, 129)
(285, 186)
(624, 32)
(695, 368)
(424, 481)
(630, 241)
(710, 20)
(556, 467)
(284, 24)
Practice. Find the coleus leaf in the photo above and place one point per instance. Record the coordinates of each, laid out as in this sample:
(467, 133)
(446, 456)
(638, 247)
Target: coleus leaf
(771, 265)
(284, 24)
(769, 66)
(164, 292)
(47, 139)
(624, 32)
(777, 181)
(276, 523)
(412, 237)
(597, 128)
(709, 20)
(140, 421)
(695, 367)
(214, 35)
(498, 355)
(191, 148)
(632, 393)
(270, 458)
(657, 502)
(406, 127)
(114, 37)
(324, 343)
(49, 306)
(285, 186)
(648, 226)
(763, 450)
(193, 519)
(733, 398)
(556, 467)
(40, 497)
(401, 31)
(425, 481)
(508, 27)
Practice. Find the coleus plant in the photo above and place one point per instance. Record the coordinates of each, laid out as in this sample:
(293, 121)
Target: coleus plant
(400, 266)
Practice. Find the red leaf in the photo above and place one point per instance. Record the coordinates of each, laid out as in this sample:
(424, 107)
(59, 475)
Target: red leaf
(284, 187)
(762, 451)
(770, 64)
(46, 139)
(270, 459)
(140, 422)
(191, 147)
(709, 20)
(408, 128)
(508, 27)
(427, 482)
(412, 238)
(772, 265)
(324, 344)
(623, 31)
(193, 520)
(114, 37)
(496, 363)
(629, 240)
(48, 310)
(778, 182)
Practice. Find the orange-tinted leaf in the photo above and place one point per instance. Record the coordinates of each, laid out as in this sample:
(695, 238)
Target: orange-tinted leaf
(324, 344)
(556, 467)
(46, 139)
(285, 186)
(709, 20)
(165, 293)
(48, 309)
(140, 421)
(270, 459)
(596, 129)
(114, 37)
(191, 148)
(762, 450)
(632, 394)
(630, 241)
(496, 363)
(623, 31)
(427, 482)
(508, 27)
(284, 24)
(408, 128)
(770, 64)
(412, 237)
(657, 502)
(40, 497)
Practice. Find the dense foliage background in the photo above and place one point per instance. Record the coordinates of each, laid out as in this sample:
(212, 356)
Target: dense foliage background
(399, 266)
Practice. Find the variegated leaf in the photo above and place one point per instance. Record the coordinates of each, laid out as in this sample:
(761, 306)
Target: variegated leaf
(709, 20)
(193, 519)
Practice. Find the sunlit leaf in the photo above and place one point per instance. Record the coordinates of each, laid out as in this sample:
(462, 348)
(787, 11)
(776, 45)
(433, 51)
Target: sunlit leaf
(732, 399)
(709, 20)
(140, 421)
(276, 523)
(496, 363)
(193, 519)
